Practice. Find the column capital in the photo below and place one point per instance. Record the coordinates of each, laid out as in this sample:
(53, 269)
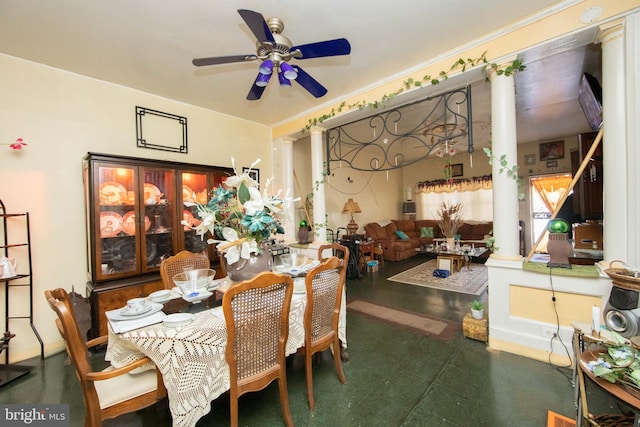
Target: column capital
(610, 31)
(288, 139)
(317, 130)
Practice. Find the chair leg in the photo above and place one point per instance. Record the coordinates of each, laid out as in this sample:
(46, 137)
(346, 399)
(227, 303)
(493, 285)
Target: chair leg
(308, 358)
(233, 409)
(336, 358)
(284, 397)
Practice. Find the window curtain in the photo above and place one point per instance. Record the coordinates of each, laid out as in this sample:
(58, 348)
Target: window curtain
(551, 189)
(475, 194)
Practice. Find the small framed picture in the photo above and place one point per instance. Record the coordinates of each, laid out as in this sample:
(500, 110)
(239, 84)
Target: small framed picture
(530, 159)
(456, 170)
(552, 164)
(444, 264)
(552, 150)
(253, 173)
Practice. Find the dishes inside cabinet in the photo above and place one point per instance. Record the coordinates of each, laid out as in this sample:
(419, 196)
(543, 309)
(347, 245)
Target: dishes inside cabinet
(188, 217)
(129, 223)
(112, 193)
(188, 195)
(152, 194)
(201, 197)
(110, 224)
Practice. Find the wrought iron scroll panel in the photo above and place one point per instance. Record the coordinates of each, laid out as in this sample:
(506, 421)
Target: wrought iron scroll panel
(160, 134)
(405, 135)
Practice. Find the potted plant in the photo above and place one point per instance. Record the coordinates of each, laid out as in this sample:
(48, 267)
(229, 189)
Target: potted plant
(449, 220)
(477, 310)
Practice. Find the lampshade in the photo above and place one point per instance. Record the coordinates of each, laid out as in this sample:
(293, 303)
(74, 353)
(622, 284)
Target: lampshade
(262, 79)
(283, 80)
(288, 71)
(266, 67)
(351, 207)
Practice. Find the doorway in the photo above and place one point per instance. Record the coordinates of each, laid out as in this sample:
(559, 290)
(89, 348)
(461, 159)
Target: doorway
(547, 192)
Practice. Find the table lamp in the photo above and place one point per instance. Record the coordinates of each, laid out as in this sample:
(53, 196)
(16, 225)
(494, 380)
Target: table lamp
(558, 246)
(351, 207)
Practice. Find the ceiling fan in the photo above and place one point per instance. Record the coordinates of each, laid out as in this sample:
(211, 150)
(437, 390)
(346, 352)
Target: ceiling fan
(275, 51)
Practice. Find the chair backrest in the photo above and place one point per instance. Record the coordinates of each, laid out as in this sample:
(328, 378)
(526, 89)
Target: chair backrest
(257, 316)
(180, 262)
(324, 286)
(59, 301)
(337, 250)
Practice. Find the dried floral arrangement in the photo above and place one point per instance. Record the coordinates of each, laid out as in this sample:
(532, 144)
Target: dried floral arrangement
(450, 219)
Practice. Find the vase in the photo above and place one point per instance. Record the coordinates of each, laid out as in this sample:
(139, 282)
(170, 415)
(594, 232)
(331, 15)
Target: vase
(245, 269)
(451, 243)
(477, 314)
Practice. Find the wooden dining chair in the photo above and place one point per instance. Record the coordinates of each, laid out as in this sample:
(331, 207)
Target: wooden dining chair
(257, 316)
(178, 263)
(113, 391)
(337, 250)
(324, 285)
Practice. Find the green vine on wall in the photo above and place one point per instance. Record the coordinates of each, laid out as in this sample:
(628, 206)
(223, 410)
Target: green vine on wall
(461, 65)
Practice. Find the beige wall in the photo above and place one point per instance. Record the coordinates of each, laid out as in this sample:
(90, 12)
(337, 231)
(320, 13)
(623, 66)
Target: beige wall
(62, 116)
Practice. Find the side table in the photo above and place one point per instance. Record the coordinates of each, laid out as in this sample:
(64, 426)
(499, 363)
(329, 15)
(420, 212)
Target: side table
(475, 329)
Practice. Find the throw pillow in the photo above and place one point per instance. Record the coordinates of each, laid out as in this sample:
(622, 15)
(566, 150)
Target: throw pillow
(402, 235)
(426, 232)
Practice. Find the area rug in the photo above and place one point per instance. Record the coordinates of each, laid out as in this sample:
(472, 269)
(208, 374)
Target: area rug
(466, 282)
(432, 327)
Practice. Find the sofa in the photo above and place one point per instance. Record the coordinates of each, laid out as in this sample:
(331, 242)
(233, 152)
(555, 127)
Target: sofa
(416, 233)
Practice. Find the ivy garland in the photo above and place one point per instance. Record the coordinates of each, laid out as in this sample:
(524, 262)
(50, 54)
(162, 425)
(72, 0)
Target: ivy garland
(461, 64)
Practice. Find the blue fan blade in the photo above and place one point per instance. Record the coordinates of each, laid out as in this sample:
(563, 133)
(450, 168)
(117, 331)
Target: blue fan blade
(200, 62)
(257, 25)
(309, 83)
(327, 48)
(256, 91)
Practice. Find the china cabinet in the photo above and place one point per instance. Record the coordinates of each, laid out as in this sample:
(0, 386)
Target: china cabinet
(135, 208)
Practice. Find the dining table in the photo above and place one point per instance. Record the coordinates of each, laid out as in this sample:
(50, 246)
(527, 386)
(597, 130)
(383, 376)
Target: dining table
(191, 357)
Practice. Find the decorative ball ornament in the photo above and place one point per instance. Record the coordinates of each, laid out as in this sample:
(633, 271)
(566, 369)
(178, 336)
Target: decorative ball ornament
(558, 225)
(303, 223)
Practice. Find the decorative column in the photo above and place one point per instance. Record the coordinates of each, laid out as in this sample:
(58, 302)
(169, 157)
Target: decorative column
(317, 180)
(505, 188)
(286, 157)
(614, 139)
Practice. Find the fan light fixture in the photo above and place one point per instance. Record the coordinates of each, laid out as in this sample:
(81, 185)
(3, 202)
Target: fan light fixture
(288, 71)
(263, 79)
(283, 80)
(266, 67)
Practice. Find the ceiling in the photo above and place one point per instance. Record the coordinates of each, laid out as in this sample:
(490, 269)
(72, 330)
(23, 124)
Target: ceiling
(149, 44)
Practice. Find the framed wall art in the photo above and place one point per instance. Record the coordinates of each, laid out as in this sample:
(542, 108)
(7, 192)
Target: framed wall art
(456, 170)
(161, 131)
(552, 150)
(530, 159)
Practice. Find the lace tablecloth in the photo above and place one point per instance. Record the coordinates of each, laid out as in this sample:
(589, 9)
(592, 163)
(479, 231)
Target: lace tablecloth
(191, 358)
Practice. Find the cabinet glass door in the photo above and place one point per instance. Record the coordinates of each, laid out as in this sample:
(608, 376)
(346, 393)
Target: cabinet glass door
(157, 188)
(195, 189)
(117, 233)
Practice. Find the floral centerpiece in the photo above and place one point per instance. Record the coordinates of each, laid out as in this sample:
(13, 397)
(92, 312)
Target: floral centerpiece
(449, 219)
(239, 218)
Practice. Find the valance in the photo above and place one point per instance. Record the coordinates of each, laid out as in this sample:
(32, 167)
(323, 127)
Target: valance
(484, 182)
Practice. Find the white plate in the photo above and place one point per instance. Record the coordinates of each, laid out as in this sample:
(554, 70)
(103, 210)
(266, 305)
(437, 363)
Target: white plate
(125, 311)
(163, 295)
(178, 319)
(202, 295)
(117, 314)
